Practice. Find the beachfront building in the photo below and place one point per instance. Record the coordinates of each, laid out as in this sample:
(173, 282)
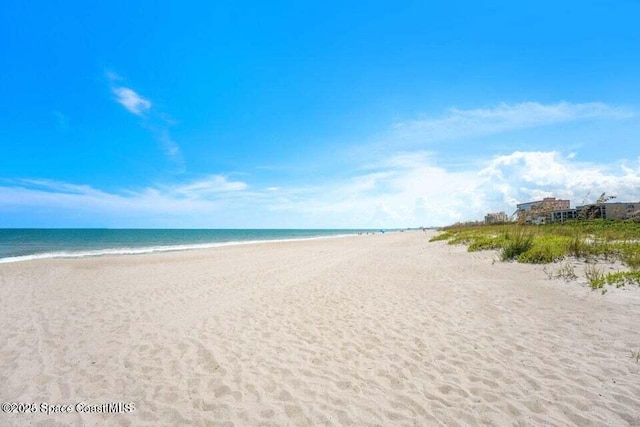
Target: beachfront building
(539, 211)
(593, 211)
(622, 210)
(551, 209)
(548, 203)
(495, 218)
(561, 215)
(618, 210)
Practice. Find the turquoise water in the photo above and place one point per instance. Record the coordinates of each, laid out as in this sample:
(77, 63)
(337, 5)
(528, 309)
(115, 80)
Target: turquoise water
(25, 244)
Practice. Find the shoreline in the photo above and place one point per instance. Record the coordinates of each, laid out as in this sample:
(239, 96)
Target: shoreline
(125, 251)
(385, 330)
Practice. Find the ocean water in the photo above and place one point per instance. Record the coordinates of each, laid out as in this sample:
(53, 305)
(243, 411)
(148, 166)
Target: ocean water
(26, 244)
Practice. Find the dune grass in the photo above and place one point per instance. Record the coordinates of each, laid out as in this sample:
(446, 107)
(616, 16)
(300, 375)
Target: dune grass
(542, 244)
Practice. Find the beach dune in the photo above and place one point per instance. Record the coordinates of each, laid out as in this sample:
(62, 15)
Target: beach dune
(363, 330)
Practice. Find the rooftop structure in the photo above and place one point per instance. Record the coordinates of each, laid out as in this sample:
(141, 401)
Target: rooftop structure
(539, 211)
(549, 203)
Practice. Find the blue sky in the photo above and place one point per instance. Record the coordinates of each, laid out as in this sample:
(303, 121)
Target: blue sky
(307, 115)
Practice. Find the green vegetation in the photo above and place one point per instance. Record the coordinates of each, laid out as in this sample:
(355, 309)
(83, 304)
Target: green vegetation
(485, 243)
(619, 279)
(566, 271)
(630, 255)
(442, 236)
(542, 244)
(545, 249)
(595, 276)
(516, 244)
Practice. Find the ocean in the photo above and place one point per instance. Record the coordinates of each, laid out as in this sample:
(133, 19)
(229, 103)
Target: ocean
(26, 244)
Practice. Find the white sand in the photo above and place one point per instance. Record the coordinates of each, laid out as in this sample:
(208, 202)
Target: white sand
(366, 330)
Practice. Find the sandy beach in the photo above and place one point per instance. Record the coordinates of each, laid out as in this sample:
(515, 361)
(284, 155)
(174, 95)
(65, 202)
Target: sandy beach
(357, 331)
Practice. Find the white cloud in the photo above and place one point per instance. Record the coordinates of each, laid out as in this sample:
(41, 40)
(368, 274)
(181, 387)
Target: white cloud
(207, 186)
(537, 174)
(156, 122)
(412, 189)
(130, 100)
(399, 189)
(112, 76)
(409, 189)
(506, 117)
(200, 203)
(170, 148)
(405, 190)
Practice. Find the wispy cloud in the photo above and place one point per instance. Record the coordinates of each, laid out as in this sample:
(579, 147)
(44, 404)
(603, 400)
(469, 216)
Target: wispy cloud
(62, 121)
(209, 185)
(505, 117)
(201, 202)
(156, 121)
(409, 189)
(169, 146)
(399, 188)
(131, 100)
(412, 189)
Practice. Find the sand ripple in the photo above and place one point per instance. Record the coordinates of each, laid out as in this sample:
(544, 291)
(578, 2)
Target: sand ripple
(363, 331)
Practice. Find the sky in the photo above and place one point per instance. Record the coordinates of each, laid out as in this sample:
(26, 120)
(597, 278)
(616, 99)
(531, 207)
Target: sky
(328, 114)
